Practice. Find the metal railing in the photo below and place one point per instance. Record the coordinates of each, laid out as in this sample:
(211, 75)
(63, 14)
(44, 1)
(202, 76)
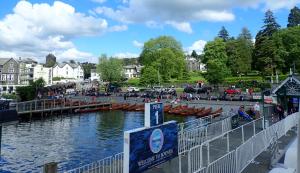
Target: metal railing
(191, 137)
(112, 164)
(194, 133)
(235, 160)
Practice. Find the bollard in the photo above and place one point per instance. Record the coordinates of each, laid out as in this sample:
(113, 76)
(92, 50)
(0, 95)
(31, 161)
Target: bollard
(50, 167)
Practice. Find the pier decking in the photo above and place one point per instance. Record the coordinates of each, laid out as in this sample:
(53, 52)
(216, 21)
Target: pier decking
(55, 105)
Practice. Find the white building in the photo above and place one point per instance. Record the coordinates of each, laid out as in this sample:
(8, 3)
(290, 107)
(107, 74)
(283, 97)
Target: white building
(68, 71)
(39, 71)
(194, 65)
(132, 71)
(95, 76)
(26, 70)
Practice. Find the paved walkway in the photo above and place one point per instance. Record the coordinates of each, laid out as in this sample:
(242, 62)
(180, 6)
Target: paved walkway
(260, 165)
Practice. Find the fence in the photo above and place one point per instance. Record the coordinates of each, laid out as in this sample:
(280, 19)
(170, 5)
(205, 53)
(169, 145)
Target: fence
(190, 134)
(112, 164)
(202, 131)
(236, 160)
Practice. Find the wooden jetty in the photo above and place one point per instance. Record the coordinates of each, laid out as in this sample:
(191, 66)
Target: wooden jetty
(55, 105)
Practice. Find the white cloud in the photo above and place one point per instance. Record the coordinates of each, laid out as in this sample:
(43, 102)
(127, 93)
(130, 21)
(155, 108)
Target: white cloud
(72, 53)
(126, 55)
(137, 44)
(34, 30)
(181, 26)
(181, 13)
(278, 4)
(198, 46)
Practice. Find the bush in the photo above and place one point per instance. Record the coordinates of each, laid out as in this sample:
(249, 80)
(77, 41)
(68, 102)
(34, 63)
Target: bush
(9, 96)
(133, 82)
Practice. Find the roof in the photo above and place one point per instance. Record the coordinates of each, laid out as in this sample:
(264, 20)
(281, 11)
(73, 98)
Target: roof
(28, 61)
(4, 60)
(73, 65)
(291, 78)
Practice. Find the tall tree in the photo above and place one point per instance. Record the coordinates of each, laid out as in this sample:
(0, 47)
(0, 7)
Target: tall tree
(110, 69)
(87, 67)
(239, 54)
(245, 34)
(194, 54)
(215, 50)
(165, 54)
(149, 76)
(294, 17)
(154, 45)
(270, 24)
(265, 57)
(217, 71)
(288, 46)
(223, 33)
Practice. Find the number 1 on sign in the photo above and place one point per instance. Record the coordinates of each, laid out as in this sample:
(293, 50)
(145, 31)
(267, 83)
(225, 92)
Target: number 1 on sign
(156, 116)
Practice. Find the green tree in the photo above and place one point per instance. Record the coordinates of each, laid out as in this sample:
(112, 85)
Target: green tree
(265, 54)
(149, 76)
(166, 54)
(245, 34)
(287, 42)
(110, 69)
(87, 67)
(239, 56)
(217, 71)
(270, 24)
(215, 50)
(294, 17)
(223, 33)
(154, 45)
(194, 54)
(29, 92)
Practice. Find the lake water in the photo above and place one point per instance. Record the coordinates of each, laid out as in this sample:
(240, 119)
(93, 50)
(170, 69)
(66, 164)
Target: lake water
(72, 141)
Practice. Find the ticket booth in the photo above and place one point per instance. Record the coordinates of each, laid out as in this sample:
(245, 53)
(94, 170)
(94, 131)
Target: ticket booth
(288, 93)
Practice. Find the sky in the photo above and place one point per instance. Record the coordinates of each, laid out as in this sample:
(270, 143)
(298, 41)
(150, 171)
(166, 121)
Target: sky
(82, 30)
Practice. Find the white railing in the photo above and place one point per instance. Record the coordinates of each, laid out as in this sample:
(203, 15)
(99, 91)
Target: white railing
(236, 160)
(112, 164)
(191, 137)
(194, 133)
(225, 164)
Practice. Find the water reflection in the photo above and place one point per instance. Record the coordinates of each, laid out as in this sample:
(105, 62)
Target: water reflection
(72, 141)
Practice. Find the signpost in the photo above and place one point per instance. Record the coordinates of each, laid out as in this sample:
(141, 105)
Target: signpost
(151, 145)
(154, 114)
(145, 148)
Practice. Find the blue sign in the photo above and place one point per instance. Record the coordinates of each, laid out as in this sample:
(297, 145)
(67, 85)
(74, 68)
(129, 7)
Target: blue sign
(145, 148)
(154, 114)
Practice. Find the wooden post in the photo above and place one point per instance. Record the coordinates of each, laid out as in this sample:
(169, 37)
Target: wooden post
(50, 167)
(35, 105)
(30, 110)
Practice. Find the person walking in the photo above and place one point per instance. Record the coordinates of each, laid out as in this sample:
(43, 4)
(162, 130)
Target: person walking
(280, 111)
(257, 110)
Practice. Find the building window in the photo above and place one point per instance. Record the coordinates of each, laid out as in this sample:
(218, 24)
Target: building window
(11, 65)
(11, 70)
(4, 77)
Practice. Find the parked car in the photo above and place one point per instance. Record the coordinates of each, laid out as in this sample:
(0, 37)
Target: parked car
(133, 89)
(204, 89)
(158, 88)
(232, 91)
(189, 89)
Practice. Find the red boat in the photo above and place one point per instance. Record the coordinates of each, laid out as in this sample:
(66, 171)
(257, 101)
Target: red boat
(217, 112)
(87, 110)
(204, 113)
